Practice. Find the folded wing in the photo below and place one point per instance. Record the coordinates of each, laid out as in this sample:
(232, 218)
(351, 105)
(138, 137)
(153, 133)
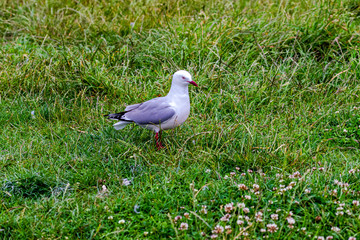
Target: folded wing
(155, 111)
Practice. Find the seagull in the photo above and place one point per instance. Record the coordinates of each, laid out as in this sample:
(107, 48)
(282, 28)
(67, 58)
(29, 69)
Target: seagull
(160, 113)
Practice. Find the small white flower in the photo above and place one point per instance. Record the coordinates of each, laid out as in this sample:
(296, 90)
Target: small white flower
(239, 222)
(242, 187)
(177, 218)
(355, 203)
(272, 227)
(207, 170)
(229, 207)
(203, 209)
(122, 221)
(246, 210)
(241, 205)
(248, 197)
(225, 218)
(263, 230)
(335, 229)
(184, 226)
(307, 191)
(126, 182)
(218, 229)
(146, 233)
(33, 114)
(274, 217)
(329, 237)
(290, 220)
(345, 131)
(352, 238)
(110, 217)
(339, 213)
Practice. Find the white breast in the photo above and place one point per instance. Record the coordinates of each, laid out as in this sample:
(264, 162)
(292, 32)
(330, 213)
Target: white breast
(181, 105)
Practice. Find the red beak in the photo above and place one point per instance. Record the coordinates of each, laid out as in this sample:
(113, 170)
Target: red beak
(193, 83)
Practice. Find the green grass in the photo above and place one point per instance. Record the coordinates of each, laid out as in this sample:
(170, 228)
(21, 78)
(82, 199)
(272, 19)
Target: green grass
(279, 94)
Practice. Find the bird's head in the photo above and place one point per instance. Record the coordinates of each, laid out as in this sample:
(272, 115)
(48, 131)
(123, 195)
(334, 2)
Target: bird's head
(183, 77)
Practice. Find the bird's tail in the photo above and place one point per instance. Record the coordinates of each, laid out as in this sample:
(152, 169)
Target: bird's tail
(118, 116)
(120, 125)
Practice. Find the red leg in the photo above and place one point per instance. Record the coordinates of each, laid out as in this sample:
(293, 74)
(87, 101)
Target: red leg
(158, 140)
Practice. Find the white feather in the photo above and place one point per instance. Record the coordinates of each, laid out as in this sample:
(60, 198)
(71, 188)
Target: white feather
(120, 125)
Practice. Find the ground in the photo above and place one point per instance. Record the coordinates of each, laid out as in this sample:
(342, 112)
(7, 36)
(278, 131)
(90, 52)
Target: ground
(270, 150)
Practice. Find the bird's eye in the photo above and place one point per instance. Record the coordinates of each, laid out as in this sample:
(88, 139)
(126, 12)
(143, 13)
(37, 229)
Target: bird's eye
(183, 77)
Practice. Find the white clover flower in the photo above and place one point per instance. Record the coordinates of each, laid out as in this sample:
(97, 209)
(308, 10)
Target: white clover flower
(307, 191)
(355, 203)
(110, 217)
(335, 229)
(274, 217)
(246, 210)
(229, 207)
(225, 218)
(258, 216)
(248, 197)
(290, 220)
(126, 182)
(239, 222)
(184, 226)
(218, 229)
(272, 227)
(203, 209)
(228, 229)
(241, 205)
(122, 221)
(242, 187)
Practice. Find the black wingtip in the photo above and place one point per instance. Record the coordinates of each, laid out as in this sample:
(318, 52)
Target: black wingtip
(115, 116)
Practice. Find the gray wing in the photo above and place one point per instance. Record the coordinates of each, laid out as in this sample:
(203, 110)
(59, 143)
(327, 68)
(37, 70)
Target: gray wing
(154, 111)
(131, 107)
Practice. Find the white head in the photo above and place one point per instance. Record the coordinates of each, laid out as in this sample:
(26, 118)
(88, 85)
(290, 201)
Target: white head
(183, 78)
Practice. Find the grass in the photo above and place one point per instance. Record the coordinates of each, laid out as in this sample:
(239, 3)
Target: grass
(277, 110)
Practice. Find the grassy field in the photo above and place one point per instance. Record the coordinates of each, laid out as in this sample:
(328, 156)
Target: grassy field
(270, 150)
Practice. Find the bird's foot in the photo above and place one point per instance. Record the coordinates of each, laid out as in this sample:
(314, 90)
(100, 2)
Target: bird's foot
(159, 146)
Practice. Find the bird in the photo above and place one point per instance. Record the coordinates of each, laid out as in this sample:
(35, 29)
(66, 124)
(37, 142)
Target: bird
(161, 113)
